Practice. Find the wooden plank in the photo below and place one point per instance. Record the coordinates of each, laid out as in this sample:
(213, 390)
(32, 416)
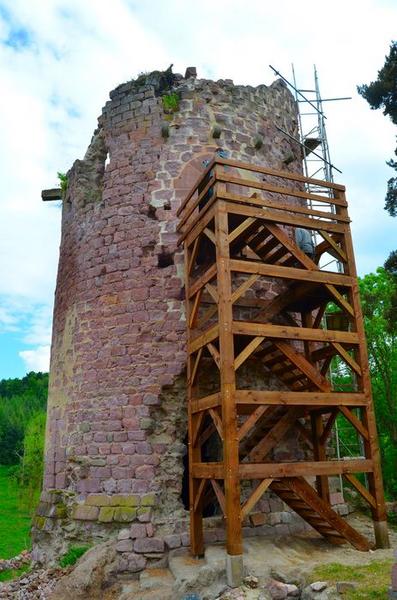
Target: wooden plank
(361, 489)
(195, 308)
(193, 189)
(202, 340)
(328, 427)
(325, 277)
(196, 426)
(277, 205)
(293, 333)
(268, 187)
(215, 354)
(286, 398)
(331, 242)
(196, 227)
(339, 299)
(269, 215)
(201, 281)
(212, 292)
(248, 350)
(193, 255)
(212, 470)
(210, 234)
(251, 421)
(195, 367)
(206, 434)
(319, 453)
(243, 288)
(239, 230)
(193, 205)
(347, 358)
(255, 496)
(354, 421)
(217, 421)
(303, 365)
(304, 468)
(199, 493)
(202, 404)
(281, 174)
(219, 494)
(274, 436)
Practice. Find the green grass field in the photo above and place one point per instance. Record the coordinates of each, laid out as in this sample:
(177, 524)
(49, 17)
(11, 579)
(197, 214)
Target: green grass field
(15, 519)
(372, 580)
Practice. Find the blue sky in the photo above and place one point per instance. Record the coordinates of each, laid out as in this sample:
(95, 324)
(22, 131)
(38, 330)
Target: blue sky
(60, 58)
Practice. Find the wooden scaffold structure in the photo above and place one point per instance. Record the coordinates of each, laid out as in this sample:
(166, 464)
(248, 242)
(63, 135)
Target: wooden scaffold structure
(238, 227)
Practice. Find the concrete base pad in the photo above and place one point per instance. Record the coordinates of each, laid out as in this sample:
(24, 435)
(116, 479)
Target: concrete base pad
(234, 570)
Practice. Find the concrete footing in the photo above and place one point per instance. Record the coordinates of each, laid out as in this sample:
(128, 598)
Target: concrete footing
(381, 534)
(234, 569)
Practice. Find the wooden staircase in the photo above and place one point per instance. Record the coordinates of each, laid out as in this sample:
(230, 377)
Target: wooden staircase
(299, 495)
(237, 244)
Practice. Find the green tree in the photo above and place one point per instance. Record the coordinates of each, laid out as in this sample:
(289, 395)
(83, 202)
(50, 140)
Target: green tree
(382, 93)
(378, 293)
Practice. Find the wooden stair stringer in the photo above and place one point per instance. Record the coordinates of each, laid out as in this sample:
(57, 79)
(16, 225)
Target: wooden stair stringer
(303, 499)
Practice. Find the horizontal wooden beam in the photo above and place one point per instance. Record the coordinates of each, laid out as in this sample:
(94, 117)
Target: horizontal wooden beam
(276, 205)
(276, 173)
(267, 214)
(284, 398)
(51, 195)
(201, 404)
(298, 469)
(292, 333)
(202, 340)
(275, 470)
(267, 270)
(202, 280)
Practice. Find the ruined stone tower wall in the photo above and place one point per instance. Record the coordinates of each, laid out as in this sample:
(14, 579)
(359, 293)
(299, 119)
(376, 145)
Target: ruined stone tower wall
(117, 409)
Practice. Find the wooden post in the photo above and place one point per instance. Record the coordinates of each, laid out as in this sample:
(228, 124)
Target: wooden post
(194, 448)
(371, 446)
(319, 452)
(228, 387)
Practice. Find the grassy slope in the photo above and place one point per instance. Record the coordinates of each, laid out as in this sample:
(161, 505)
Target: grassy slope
(14, 520)
(372, 580)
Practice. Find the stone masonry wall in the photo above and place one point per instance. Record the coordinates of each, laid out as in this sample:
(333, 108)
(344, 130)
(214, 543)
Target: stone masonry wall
(116, 411)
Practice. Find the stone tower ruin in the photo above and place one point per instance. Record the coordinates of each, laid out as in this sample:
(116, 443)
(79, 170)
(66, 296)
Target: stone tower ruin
(115, 462)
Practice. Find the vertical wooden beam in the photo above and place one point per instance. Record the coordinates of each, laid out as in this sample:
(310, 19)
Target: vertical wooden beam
(371, 446)
(194, 443)
(320, 454)
(228, 386)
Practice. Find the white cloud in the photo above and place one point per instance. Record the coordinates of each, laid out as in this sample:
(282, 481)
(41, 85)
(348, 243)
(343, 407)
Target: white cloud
(60, 58)
(37, 359)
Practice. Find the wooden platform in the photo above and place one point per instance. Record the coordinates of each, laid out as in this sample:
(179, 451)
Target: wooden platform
(254, 297)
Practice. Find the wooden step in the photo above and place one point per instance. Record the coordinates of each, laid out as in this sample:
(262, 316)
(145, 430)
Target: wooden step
(317, 512)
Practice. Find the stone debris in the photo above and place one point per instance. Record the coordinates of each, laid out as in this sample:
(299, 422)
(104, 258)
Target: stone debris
(318, 586)
(251, 581)
(16, 562)
(34, 585)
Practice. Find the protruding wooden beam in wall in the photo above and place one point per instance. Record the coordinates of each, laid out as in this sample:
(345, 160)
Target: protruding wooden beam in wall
(52, 194)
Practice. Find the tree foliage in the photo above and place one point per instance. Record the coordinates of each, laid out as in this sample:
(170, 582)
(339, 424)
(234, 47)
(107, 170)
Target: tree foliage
(379, 302)
(20, 399)
(382, 93)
